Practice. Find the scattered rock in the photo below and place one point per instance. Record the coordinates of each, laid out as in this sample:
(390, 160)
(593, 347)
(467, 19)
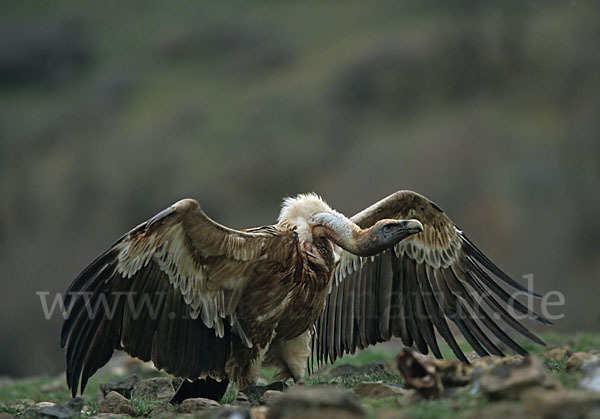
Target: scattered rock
(576, 361)
(453, 373)
(560, 404)
(22, 404)
(510, 380)
(154, 389)
(591, 376)
(303, 401)
(123, 386)
(559, 353)
(488, 363)
(254, 393)
(270, 396)
(115, 403)
(259, 412)
(378, 390)
(242, 400)
(229, 412)
(419, 373)
(196, 404)
(164, 411)
(63, 410)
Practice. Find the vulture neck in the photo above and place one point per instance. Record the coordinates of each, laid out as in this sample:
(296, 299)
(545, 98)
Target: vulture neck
(341, 231)
(312, 218)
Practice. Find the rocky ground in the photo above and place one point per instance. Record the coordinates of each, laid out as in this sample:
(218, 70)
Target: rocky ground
(561, 381)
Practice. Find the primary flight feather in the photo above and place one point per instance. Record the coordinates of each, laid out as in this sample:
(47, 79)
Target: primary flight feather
(203, 301)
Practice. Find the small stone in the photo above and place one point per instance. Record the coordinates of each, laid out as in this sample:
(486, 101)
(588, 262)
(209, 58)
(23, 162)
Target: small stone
(154, 389)
(254, 393)
(196, 404)
(63, 410)
(378, 390)
(559, 353)
(22, 404)
(303, 401)
(259, 412)
(230, 412)
(578, 359)
(510, 380)
(165, 411)
(242, 400)
(486, 363)
(270, 396)
(453, 373)
(591, 376)
(122, 386)
(115, 403)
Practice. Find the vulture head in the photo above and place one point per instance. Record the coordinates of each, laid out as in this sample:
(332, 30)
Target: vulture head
(362, 242)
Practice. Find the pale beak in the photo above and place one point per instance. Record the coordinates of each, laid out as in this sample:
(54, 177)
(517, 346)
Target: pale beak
(411, 227)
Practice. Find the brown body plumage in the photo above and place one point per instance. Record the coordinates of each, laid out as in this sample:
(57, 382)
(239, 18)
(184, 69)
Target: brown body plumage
(201, 300)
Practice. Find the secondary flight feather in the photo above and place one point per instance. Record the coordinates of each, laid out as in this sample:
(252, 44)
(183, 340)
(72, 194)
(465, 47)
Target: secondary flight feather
(210, 303)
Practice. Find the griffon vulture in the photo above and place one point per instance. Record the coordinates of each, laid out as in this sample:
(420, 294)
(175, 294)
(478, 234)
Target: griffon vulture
(212, 304)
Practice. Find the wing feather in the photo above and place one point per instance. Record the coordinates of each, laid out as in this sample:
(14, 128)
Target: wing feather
(413, 291)
(167, 292)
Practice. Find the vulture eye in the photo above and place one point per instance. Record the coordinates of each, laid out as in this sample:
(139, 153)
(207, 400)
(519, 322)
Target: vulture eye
(388, 228)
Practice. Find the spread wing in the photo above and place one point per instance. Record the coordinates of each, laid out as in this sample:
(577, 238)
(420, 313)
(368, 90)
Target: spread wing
(415, 289)
(167, 292)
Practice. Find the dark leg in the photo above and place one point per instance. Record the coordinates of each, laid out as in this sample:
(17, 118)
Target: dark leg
(208, 388)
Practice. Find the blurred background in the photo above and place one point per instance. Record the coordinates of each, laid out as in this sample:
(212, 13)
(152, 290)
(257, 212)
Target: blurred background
(111, 111)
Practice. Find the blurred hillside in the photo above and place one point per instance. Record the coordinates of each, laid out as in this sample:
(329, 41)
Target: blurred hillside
(111, 111)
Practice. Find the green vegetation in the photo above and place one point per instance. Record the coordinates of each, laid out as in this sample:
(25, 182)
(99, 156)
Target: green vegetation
(143, 405)
(109, 114)
(463, 404)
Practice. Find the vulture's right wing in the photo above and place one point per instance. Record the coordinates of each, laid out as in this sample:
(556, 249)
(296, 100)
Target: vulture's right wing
(415, 289)
(166, 292)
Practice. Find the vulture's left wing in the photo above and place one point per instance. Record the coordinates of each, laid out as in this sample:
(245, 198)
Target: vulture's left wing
(414, 289)
(167, 291)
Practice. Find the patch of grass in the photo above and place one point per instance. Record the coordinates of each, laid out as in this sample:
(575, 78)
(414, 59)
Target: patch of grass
(11, 409)
(463, 405)
(34, 389)
(351, 381)
(569, 379)
(92, 408)
(143, 405)
(584, 341)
